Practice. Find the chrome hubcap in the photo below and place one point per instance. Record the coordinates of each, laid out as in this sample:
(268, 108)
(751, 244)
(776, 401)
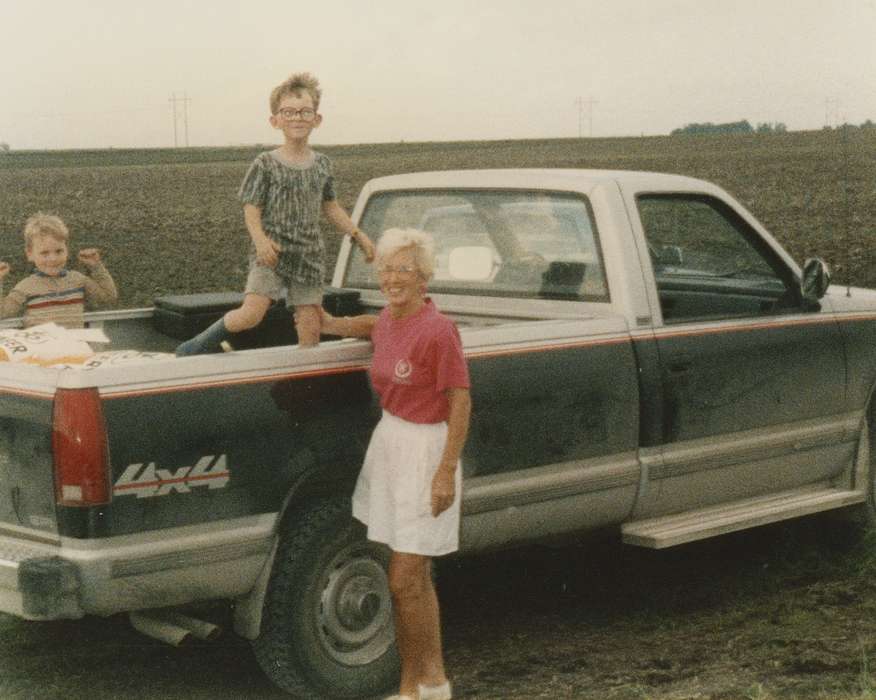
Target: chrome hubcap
(355, 614)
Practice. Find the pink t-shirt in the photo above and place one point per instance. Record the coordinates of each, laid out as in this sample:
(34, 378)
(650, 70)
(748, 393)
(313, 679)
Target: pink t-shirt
(416, 359)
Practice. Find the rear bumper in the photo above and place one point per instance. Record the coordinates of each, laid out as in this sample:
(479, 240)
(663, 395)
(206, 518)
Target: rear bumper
(68, 579)
(36, 584)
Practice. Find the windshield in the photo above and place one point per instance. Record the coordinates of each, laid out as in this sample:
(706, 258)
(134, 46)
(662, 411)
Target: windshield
(542, 245)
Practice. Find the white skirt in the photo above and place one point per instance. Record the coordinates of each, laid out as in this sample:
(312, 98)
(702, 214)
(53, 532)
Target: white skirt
(393, 495)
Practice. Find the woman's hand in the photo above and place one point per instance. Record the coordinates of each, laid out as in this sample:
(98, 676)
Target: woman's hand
(329, 324)
(443, 489)
(346, 326)
(4, 269)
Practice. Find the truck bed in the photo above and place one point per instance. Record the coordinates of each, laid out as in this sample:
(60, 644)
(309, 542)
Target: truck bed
(173, 319)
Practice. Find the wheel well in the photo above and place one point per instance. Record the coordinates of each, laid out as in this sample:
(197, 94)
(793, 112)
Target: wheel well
(315, 484)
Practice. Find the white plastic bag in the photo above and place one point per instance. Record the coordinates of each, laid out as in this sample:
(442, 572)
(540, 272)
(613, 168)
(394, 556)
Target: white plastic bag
(46, 344)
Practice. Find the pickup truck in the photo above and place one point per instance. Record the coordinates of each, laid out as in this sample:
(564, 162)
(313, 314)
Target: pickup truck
(645, 358)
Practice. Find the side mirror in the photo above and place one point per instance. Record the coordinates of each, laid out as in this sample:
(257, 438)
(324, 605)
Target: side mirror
(816, 279)
(671, 255)
(471, 263)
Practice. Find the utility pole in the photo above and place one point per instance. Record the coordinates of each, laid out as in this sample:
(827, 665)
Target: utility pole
(185, 101)
(580, 102)
(831, 109)
(186, 116)
(173, 102)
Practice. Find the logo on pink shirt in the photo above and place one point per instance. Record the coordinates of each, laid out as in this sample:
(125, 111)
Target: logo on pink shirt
(403, 370)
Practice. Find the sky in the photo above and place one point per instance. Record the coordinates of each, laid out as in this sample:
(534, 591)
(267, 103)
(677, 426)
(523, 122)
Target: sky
(103, 73)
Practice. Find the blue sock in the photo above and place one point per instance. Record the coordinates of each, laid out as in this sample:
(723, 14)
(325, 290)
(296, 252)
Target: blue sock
(206, 341)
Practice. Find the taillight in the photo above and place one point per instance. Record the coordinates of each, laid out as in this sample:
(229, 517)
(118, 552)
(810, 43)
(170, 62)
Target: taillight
(80, 449)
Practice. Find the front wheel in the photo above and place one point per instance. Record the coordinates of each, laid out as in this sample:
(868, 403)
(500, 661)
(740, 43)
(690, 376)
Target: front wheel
(327, 628)
(867, 446)
(858, 522)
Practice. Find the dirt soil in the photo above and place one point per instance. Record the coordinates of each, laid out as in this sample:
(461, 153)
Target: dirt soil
(784, 612)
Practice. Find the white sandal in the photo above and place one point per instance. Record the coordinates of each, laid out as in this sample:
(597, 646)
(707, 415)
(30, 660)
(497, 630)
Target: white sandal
(435, 692)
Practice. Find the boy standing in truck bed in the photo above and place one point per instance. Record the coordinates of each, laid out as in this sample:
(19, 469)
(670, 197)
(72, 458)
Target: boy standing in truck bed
(283, 194)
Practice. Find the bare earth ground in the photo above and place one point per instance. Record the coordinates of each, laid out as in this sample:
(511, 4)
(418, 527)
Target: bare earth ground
(169, 222)
(784, 612)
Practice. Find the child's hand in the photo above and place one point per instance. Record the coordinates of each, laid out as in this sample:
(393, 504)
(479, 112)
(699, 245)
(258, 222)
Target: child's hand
(4, 269)
(90, 257)
(366, 245)
(267, 252)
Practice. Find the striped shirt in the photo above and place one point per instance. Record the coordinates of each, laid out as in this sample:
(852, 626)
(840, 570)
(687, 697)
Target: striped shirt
(41, 298)
(290, 197)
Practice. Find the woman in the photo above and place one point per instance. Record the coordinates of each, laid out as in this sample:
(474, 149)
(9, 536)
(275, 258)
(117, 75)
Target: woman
(408, 493)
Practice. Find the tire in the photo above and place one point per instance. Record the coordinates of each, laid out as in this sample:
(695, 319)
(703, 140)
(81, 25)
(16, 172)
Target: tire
(867, 510)
(859, 522)
(327, 628)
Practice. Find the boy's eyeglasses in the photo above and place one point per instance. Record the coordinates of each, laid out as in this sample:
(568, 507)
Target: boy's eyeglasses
(305, 115)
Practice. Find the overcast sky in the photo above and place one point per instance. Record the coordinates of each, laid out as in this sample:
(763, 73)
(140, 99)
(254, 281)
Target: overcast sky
(99, 73)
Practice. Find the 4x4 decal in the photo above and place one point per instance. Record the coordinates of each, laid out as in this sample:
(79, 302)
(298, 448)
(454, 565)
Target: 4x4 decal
(146, 481)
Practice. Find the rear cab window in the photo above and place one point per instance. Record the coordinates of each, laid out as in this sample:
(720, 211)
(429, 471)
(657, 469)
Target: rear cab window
(506, 243)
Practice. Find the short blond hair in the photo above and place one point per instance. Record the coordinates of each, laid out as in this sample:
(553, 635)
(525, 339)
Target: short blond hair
(295, 84)
(41, 224)
(395, 239)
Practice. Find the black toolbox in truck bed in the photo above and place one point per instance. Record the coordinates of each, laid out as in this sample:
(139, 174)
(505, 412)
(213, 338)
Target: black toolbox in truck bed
(183, 316)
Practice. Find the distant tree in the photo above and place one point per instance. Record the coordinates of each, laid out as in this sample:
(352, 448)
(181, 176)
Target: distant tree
(869, 124)
(4, 147)
(741, 127)
(771, 128)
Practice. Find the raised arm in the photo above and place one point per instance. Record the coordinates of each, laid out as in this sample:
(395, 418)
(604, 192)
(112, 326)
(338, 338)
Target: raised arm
(13, 303)
(343, 224)
(100, 289)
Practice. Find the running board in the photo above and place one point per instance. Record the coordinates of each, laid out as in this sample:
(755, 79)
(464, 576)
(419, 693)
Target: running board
(670, 530)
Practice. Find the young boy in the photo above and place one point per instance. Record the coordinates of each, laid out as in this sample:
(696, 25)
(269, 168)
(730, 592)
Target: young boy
(53, 293)
(283, 193)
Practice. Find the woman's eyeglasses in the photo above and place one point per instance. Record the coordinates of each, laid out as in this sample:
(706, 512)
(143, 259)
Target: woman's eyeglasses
(398, 269)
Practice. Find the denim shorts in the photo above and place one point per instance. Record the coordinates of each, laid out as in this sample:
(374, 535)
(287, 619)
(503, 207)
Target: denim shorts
(266, 282)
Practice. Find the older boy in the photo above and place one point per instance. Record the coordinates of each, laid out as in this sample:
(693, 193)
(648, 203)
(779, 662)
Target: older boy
(283, 193)
(53, 293)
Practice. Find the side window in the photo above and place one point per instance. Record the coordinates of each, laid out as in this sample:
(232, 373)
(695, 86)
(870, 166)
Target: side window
(708, 263)
(542, 245)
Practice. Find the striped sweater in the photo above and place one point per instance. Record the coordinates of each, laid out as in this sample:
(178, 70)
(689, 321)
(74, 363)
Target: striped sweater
(40, 298)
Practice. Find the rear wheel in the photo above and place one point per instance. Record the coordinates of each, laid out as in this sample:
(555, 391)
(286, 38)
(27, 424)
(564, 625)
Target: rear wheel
(327, 627)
